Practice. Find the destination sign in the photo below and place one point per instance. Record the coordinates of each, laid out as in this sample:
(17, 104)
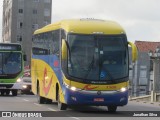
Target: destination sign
(10, 47)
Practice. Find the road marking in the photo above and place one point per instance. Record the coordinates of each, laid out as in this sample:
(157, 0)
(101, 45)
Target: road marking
(25, 100)
(37, 104)
(75, 118)
(52, 109)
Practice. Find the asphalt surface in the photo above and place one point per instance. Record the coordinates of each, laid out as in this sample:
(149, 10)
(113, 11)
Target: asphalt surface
(26, 105)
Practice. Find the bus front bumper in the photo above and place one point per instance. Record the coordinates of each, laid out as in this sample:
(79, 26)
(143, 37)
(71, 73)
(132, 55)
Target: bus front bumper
(17, 86)
(96, 98)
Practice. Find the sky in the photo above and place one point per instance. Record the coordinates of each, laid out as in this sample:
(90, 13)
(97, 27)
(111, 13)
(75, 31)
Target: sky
(139, 18)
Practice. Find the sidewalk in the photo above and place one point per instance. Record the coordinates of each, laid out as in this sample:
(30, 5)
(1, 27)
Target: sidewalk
(146, 102)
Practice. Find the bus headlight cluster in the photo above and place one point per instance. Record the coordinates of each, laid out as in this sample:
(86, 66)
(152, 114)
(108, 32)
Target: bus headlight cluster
(72, 88)
(123, 89)
(19, 80)
(24, 86)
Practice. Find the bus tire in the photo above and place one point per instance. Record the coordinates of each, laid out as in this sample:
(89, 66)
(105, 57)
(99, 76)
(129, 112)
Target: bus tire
(14, 92)
(41, 100)
(61, 106)
(112, 108)
(2, 92)
(7, 92)
(48, 101)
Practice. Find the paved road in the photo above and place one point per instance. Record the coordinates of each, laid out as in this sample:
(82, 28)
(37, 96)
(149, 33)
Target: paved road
(29, 103)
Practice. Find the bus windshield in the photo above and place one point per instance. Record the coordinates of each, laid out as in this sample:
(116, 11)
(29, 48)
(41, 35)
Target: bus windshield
(97, 58)
(10, 63)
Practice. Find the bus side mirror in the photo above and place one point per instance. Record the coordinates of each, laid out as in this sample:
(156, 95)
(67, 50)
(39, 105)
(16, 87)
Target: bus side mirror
(64, 49)
(134, 51)
(25, 57)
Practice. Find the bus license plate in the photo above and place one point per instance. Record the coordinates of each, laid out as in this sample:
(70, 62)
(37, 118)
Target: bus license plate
(98, 99)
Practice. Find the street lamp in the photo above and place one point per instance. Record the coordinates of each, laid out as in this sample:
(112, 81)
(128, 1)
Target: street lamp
(155, 57)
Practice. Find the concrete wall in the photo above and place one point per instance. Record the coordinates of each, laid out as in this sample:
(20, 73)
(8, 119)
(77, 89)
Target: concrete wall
(140, 75)
(28, 20)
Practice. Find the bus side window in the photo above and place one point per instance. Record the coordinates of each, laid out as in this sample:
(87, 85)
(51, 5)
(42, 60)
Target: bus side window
(55, 41)
(48, 38)
(43, 44)
(47, 43)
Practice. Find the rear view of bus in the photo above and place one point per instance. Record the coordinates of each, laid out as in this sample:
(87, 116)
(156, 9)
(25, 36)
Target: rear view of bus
(11, 68)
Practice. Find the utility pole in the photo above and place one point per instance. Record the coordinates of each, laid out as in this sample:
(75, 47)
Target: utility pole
(132, 81)
(155, 57)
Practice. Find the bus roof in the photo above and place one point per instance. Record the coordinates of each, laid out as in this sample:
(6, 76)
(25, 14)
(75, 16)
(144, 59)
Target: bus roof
(84, 26)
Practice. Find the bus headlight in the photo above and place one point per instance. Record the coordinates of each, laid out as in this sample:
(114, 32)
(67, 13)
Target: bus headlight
(24, 86)
(19, 80)
(73, 88)
(123, 89)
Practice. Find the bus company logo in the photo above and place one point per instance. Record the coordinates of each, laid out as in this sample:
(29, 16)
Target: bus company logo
(6, 114)
(46, 88)
(89, 87)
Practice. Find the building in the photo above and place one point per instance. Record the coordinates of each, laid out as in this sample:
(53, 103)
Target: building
(142, 72)
(21, 18)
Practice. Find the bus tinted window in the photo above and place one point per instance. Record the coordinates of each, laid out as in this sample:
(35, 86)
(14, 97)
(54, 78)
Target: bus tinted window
(41, 45)
(46, 43)
(55, 41)
(11, 63)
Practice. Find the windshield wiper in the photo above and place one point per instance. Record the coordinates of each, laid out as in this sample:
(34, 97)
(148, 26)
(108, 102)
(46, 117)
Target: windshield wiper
(90, 67)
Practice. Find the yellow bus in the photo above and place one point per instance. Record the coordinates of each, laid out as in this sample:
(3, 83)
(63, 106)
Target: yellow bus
(81, 62)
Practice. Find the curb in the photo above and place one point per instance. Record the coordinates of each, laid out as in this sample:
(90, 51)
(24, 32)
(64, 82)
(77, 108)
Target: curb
(147, 102)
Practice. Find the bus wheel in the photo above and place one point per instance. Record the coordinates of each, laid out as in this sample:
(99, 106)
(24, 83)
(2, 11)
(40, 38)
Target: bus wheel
(61, 106)
(41, 100)
(14, 92)
(48, 101)
(112, 108)
(7, 92)
(2, 93)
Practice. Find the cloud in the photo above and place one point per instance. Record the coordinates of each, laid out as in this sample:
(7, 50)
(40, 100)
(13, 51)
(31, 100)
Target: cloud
(114, 9)
(144, 30)
(140, 18)
(72, 9)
